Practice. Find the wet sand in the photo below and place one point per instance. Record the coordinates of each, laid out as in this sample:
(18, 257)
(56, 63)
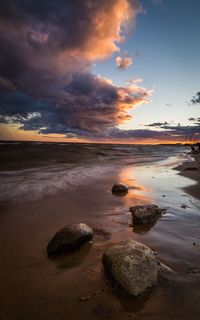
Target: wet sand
(192, 170)
(35, 287)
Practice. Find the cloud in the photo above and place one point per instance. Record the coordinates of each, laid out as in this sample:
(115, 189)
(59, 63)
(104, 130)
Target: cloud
(47, 48)
(135, 80)
(89, 105)
(157, 124)
(196, 98)
(46, 52)
(63, 31)
(123, 62)
(196, 121)
(170, 133)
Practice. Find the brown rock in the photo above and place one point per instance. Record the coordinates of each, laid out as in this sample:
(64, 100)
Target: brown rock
(119, 188)
(145, 214)
(69, 238)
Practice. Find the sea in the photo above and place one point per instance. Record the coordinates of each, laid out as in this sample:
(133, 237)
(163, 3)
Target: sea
(32, 170)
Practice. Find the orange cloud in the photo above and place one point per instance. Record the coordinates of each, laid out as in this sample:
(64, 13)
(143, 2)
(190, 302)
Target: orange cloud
(124, 62)
(108, 28)
(130, 97)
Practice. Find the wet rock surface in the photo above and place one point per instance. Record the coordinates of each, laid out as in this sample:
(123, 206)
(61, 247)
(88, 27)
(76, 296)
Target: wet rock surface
(120, 188)
(69, 238)
(132, 265)
(145, 214)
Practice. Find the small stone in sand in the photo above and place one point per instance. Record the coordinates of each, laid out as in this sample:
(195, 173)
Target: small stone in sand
(132, 265)
(69, 238)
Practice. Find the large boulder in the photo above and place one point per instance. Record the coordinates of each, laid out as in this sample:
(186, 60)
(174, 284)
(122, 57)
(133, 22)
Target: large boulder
(132, 265)
(145, 214)
(69, 238)
(119, 188)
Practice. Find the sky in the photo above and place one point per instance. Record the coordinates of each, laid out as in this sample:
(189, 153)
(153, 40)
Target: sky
(124, 71)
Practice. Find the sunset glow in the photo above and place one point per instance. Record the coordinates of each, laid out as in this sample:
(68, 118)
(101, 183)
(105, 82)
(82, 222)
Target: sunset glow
(71, 71)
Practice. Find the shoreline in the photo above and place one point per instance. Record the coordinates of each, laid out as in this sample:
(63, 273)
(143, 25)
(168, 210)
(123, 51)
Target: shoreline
(191, 170)
(75, 286)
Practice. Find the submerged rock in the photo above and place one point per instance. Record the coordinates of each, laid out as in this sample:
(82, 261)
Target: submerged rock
(69, 238)
(132, 265)
(145, 214)
(119, 188)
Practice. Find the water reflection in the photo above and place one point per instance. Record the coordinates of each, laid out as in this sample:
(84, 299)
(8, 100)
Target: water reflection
(139, 193)
(156, 184)
(142, 228)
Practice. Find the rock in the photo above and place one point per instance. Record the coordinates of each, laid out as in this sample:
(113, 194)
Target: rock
(119, 188)
(145, 214)
(132, 265)
(184, 206)
(69, 238)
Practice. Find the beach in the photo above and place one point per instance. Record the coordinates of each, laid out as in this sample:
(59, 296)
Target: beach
(192, 171)
(46, 186)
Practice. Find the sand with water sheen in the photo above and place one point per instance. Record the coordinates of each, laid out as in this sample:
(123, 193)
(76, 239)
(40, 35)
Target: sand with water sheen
(45, 186)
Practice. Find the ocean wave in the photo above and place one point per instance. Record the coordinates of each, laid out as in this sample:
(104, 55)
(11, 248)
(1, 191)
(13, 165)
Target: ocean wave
(31, 171)
(33, 184)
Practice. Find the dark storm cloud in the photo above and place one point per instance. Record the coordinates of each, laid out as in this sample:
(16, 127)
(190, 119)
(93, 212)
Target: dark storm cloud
(46, 51)
(41, 38)
(89, 105)
(66, 23)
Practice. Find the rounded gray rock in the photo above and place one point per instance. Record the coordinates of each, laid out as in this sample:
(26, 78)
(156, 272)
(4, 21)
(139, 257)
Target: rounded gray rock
(132, 265)
(69, 238)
